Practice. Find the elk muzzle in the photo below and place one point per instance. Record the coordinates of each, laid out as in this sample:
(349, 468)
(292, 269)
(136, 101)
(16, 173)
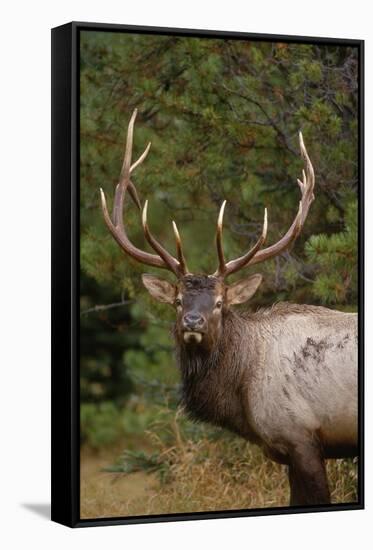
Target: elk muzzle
(193, 326)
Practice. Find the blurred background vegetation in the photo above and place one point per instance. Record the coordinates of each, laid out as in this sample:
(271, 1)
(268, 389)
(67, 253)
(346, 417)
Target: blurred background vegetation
(223, 117)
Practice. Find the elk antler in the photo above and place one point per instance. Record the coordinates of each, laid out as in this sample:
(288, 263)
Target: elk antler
(255, 255)
(116, 225)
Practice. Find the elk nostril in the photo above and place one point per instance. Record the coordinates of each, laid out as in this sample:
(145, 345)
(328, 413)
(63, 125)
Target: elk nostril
(193, 320)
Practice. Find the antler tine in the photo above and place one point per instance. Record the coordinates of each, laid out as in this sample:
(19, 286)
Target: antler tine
(180, 255)
(126, 166)
(173, 264)
(239, 263)
(131, 188)
(255, 255)
(125, 243)
(115, 224)
(219, 240)
(308, 178)
(124, 179)
(306, 186)
(141, 158)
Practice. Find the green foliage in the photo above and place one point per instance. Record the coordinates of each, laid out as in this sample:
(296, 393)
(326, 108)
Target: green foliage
(100, 424)
(336, 281)
(107, 422)
(103, 336)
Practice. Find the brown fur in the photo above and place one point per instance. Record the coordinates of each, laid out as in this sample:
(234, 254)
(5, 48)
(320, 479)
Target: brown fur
(267, 376)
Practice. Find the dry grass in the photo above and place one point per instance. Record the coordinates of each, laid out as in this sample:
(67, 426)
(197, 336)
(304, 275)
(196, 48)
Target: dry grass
(200, 474)
(111, 495)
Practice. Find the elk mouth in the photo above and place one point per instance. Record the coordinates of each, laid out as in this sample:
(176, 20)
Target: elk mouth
(192, 337)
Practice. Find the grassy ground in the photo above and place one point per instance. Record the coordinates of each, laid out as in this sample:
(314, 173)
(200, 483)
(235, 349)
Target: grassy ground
(107, 494)
(182, 473)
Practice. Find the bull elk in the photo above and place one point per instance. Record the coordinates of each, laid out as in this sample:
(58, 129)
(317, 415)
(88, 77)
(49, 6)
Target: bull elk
(284, 378)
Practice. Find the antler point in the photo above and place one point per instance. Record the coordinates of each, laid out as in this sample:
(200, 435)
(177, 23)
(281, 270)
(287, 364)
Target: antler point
(265, 224)
(176, 233)
(221, 214)
(145, 214)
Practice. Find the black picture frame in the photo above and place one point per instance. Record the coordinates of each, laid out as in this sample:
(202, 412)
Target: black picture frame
(65, 274)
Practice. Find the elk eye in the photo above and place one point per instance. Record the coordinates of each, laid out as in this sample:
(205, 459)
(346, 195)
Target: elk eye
(218, 304)
(177, 302)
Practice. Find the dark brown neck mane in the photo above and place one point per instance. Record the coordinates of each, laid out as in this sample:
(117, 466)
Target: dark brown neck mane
(211, 392)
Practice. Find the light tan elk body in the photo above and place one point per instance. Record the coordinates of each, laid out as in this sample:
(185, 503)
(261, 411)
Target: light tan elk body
(284, 378)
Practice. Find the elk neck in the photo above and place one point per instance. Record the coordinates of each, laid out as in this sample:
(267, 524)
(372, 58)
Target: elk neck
(213, 381)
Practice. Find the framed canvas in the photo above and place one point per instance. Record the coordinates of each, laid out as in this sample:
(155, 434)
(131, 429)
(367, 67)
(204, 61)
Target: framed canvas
(207, 315)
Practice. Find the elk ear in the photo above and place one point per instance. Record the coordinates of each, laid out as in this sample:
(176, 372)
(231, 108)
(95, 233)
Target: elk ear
(241, 291)
(161, 290)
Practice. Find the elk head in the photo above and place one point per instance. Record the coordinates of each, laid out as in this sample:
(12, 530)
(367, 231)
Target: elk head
(199, 300)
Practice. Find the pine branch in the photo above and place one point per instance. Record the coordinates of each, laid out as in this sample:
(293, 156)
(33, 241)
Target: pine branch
(95, 309)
